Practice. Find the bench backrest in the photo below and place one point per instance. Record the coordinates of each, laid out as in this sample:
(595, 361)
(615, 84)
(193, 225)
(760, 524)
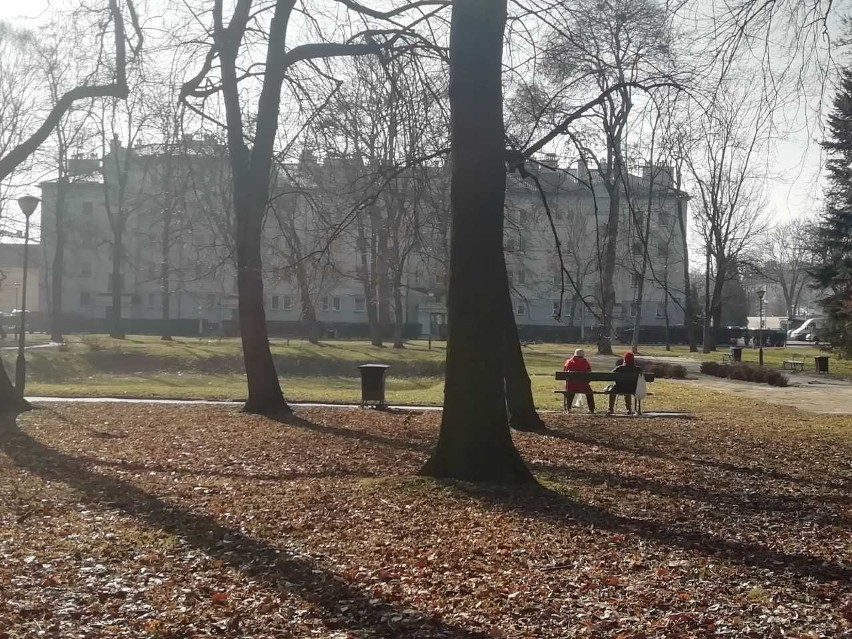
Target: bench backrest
(618, 378)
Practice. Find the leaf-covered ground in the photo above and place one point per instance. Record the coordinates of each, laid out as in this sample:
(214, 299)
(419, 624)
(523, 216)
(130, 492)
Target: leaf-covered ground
(136, 521)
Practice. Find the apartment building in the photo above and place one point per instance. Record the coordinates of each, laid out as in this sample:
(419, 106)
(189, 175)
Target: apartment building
(337, 245)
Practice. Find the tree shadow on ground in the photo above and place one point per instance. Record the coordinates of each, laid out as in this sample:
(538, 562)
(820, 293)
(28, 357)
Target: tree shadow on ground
(543, 503)
(801, 508)
(342, 605)
(353, 433)
(607, 440)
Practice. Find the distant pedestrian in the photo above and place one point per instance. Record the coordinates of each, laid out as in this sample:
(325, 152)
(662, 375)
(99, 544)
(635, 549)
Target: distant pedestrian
(578, 363)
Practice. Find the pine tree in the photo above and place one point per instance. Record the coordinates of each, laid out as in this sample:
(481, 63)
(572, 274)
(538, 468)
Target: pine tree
(833, 246)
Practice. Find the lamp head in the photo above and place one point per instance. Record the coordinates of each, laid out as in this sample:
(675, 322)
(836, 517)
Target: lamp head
(760, 294)
(28, 204)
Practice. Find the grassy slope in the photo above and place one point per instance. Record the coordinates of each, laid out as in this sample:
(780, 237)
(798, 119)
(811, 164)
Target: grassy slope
(210, 369)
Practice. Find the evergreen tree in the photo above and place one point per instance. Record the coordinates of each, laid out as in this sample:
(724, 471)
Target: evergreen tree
(833, 246)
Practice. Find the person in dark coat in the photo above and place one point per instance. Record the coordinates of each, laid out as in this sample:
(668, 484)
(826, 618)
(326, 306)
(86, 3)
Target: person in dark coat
(580, 364)
(627, 366)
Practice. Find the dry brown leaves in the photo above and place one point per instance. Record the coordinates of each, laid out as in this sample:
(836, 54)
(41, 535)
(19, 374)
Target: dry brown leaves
(153, 521)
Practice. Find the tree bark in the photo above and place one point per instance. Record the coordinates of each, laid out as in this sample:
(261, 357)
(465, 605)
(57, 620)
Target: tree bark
(519, 398)
(264, 390)
(399, 314)
(608, 271)
(57, 269)
(164, 271)
(474, 443)
(11, 401)
(115, 330)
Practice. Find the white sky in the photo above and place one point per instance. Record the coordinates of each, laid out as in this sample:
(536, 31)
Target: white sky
(794, 184)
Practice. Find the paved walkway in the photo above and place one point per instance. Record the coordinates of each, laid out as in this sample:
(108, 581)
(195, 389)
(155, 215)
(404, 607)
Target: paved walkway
(808, 392)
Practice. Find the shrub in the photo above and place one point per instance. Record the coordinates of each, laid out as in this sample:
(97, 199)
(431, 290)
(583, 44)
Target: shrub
(662, 369)
(94, 343)
(745, 372)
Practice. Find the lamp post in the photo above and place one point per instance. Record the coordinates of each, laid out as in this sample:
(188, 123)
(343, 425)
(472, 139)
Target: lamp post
(760, 295)
(28, 204)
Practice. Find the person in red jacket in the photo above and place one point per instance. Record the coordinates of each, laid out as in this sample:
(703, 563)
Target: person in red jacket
(580, 364)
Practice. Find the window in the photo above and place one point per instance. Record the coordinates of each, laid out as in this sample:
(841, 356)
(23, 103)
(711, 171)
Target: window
(276, 302)
(661, 309)
(557, 279)
(88, 208)
(637, 248)
(287, 302)
(521, 308)
(360, 305)
(522, 277)
(324, 304)
(523, 218)
(85, 269)
(211, 300)
(634, 309)
(636, 279)
(85, 299)
(335, 303)
(663, 249)
(522, 246)
(556, 307)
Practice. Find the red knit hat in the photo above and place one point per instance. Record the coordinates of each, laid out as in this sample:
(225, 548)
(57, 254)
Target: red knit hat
(628, 358)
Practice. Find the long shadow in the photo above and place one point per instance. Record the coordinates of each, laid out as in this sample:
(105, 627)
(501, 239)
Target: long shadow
(793, 506)
(549, 505)
(656, 453)
(353, 433)
(276, 567)
(176, 470)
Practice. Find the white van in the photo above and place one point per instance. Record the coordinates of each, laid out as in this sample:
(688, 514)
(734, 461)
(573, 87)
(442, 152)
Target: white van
(806, 331)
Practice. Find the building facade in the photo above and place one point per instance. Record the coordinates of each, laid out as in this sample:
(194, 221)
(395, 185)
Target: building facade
(346, 242)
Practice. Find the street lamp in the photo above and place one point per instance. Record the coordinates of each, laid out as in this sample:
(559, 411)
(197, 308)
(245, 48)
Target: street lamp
(760, 295)
(28, 204)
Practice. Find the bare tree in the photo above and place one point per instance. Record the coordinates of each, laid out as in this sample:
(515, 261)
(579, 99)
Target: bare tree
(724, 166)
(786, 259)
(19, 152)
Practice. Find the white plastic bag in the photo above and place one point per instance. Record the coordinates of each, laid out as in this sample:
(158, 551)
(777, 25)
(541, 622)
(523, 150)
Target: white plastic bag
(641, 388)
(579, 401)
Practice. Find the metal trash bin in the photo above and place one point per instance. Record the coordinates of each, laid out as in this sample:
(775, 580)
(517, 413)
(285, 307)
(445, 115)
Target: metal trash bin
(373, 384)
(821, 364)
(736, 353)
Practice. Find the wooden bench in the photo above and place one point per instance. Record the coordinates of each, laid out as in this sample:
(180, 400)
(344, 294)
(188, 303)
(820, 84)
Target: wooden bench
(794, 364)
(624, 379)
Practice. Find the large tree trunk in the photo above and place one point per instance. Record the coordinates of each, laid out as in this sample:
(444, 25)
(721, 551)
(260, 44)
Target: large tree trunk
(475, 442)
(398, 315)
(10, 400)
(519, 397)
(116, 329)
(264, 390)
(608, 271)
(164, 273)
(57, 269)
(688, 293)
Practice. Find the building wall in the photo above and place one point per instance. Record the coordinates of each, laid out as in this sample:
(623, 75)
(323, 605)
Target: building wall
(203, 279)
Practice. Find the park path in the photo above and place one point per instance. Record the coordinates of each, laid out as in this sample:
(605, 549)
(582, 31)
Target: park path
(811, 393)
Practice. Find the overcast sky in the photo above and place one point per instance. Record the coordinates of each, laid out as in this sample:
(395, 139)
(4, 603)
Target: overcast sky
(794, 182)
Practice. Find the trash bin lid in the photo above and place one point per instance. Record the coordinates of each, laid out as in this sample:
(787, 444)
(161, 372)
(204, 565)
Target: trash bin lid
(380, 366)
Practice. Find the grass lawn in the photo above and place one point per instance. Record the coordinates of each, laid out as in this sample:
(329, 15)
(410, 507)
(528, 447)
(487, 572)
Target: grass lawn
(177, 522)
(144, 366)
